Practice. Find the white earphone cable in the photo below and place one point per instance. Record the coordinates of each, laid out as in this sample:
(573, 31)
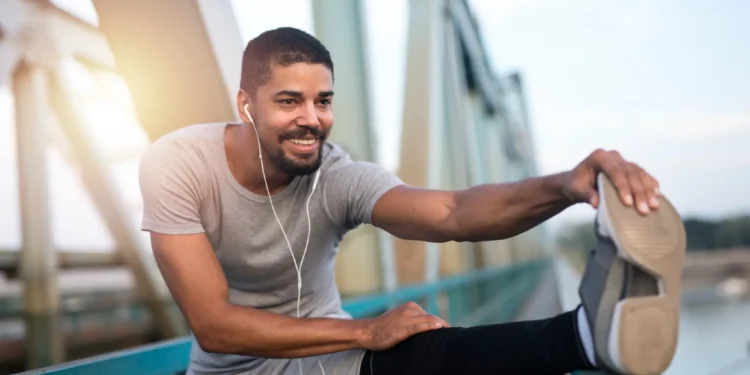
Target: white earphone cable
(298, 268)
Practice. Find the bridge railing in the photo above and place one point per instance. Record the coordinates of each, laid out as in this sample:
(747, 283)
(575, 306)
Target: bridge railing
(479, 297)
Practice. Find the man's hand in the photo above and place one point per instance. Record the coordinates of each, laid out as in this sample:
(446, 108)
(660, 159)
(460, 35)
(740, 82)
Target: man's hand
(399, 324)
(636, 186)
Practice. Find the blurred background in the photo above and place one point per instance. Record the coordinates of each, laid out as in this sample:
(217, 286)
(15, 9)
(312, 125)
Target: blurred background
(445, 93)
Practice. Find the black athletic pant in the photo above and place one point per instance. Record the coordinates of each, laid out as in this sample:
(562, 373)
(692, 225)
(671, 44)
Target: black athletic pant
(549, 346)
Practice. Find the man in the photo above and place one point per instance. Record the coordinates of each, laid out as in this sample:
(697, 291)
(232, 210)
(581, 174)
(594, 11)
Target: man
(245, 220)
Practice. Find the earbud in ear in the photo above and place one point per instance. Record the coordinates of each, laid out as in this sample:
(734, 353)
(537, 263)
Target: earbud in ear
(252, 122)
(247, 113)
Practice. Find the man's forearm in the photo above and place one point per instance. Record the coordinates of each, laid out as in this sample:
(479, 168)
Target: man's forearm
(498, 211)
(260, 333)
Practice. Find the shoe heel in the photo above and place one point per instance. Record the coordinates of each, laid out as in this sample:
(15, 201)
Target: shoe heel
(648, 328)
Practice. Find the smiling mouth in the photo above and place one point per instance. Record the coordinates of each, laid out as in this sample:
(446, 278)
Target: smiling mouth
(304, 146)
(303, 142)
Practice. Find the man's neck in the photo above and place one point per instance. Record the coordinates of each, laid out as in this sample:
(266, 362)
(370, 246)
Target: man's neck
(241, 148)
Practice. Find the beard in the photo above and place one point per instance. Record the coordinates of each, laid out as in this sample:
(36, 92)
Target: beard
(296, 166)
(299, 166)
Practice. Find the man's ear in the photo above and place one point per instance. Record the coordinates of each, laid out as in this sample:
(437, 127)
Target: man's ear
(243, 106)
(246, 112)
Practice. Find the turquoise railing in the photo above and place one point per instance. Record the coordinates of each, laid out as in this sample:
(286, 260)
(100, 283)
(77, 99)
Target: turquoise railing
(480, 297)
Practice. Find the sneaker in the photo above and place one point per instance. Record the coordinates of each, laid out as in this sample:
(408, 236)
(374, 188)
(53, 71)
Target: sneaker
(631, 287)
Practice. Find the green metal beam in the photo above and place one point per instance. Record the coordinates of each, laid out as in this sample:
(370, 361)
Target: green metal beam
(339, 25)
(38, 261)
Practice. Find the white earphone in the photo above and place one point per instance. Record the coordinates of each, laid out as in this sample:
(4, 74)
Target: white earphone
(309, 225)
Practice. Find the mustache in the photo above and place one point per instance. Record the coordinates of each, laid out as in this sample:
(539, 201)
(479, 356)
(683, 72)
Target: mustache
(301, 132)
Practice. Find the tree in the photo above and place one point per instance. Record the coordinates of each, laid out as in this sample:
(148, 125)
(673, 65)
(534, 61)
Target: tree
(702, 234)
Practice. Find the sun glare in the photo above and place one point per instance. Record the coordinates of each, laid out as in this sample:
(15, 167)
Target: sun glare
(110, 124)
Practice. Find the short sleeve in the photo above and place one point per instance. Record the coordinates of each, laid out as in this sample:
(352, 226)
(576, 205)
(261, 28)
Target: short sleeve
(171, 188)
(351, 189)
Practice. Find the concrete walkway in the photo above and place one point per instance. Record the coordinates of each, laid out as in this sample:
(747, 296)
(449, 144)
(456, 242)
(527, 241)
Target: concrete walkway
(557, 292)
(567, 284)
(544, 302)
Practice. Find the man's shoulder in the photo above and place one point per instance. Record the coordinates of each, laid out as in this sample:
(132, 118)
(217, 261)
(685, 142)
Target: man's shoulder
(333, 152)
(337, 159)
(334, 157)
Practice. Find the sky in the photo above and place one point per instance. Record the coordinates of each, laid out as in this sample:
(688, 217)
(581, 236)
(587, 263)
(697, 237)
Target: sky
(665, 83)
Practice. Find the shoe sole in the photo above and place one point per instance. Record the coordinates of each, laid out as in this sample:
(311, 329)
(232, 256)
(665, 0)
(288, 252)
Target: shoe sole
(644, 332)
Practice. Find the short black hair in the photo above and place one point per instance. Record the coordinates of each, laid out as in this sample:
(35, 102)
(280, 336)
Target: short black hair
(283, 46)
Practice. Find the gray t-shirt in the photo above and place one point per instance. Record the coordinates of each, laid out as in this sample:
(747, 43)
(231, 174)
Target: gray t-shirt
(187, 187)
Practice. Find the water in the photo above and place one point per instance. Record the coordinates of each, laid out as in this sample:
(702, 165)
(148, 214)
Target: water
(713, 337)
(714, 334)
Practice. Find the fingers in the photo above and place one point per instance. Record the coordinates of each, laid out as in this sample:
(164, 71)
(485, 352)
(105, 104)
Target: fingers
(637, 189)
(436, 319)
(635, 186)
(644, 188)
(421, 317)
(615, 167)
(426, 323)
(399, 324)
(433, 319)
(594, 200)
(412, 309)
(651, 187)
(415, 306)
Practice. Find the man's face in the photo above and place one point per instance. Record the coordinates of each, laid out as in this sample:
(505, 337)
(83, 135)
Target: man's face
(293, 116)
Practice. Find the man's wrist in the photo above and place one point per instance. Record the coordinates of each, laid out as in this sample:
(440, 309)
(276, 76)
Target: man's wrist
(362, 332)
(558, 185)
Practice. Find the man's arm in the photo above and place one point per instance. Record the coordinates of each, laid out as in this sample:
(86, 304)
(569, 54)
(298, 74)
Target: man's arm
(499, 211)
(198, 285)
(481, 213)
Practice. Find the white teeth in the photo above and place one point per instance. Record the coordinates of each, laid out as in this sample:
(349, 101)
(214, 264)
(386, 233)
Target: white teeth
(304, 142)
